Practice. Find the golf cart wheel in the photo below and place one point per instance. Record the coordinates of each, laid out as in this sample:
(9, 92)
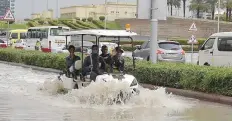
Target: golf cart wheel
(76, 86)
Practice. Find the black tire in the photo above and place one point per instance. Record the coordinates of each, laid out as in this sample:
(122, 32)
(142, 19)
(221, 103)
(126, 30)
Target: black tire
(148, 58)
(76, 86)
(206, 64)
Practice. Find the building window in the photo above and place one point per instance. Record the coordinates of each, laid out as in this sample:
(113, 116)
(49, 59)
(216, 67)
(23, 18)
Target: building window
(126, 12)
(117, 12)
(112, 11)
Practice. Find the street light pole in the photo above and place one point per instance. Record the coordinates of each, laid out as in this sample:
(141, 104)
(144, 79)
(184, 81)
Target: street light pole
(219, 2)
(105, 12)
(47, 5)
(57, 8)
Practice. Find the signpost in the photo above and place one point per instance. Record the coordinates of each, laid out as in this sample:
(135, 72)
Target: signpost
(8, 17)
(192, 40)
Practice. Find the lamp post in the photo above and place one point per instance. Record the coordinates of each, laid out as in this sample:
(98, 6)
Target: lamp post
(105, 13)
(57, 8)
(219, 2)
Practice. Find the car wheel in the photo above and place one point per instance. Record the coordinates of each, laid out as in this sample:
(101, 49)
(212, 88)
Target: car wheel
(206, 64)
(148, 58)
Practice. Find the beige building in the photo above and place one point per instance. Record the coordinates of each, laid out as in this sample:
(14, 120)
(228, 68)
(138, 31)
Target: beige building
(114, 11)
(44, 14)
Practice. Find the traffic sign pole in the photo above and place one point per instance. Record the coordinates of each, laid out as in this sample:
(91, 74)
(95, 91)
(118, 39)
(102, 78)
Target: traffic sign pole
(192, 28)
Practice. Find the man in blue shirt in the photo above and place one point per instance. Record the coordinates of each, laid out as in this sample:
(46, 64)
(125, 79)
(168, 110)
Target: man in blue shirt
(70, 62)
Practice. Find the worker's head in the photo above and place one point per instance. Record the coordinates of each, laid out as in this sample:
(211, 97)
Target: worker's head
(104, 49)
(94, 49)
(71, 49)
(119, 51)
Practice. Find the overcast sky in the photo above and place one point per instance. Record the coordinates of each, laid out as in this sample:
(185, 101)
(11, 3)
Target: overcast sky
(24, 8)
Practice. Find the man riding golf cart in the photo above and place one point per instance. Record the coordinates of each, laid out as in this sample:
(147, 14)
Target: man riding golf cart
(130, 80)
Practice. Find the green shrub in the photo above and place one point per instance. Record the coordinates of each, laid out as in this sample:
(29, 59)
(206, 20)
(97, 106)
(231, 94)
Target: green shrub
(98, 24)
(193, 77)
(84, 19)
(102, 18)
(90, 19)
(84, 24)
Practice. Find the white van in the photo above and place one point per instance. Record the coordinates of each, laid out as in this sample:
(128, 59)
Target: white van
(216, 50)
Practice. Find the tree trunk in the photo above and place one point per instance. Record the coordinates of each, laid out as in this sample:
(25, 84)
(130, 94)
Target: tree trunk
(227, 13)
(184, 6)
(230, 14)
(198, 12)
(213, 11)
(171, 9)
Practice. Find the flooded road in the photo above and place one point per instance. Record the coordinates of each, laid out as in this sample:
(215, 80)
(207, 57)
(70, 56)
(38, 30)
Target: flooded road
(22, 100)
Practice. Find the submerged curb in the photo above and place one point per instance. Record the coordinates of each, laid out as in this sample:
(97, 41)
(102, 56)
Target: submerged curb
(193, 94)
(186, 93)
(32, 67)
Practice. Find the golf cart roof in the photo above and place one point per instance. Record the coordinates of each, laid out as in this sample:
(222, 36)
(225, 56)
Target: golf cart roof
(107, 33)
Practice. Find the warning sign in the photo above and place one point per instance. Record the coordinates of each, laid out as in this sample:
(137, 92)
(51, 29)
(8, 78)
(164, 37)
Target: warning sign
(9, 16)
(193, 27)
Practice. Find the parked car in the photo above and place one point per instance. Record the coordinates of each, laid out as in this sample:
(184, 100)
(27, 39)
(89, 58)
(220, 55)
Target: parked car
(20, 44)
(167, 51)
(216, 50)
(3, 44)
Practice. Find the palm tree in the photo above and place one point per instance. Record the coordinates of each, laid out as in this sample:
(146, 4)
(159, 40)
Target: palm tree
(211, 5)
(175, 3)
(228, 5)
(184, 6)
(198, 6)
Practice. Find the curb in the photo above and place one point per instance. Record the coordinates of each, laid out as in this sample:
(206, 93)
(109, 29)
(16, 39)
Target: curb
(186, 93)
(193, 94)
(32, 67)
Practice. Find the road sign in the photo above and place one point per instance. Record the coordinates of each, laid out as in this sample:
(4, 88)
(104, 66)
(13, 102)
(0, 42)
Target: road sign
(193, 27)
(193, 40)
(9, 16)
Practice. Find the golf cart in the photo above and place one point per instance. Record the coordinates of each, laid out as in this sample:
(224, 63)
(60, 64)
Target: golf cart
(77, 83)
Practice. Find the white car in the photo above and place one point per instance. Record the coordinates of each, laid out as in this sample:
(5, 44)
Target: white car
(20, 44)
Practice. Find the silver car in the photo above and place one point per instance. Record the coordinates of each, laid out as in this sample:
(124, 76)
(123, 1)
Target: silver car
(167, 51)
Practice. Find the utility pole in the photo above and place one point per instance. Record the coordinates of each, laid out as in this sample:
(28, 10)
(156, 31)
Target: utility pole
(154, 33)
(105, 13)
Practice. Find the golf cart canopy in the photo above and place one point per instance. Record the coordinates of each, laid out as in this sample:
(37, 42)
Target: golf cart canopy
(106, 33)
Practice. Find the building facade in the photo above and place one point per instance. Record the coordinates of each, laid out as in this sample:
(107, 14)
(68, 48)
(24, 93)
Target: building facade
(45, 14)
(111, 10)
(5, 5)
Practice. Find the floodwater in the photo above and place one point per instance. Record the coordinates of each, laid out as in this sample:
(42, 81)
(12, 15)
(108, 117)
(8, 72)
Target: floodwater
(21, 99)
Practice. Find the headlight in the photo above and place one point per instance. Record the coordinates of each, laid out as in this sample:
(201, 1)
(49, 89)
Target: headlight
(134, 83)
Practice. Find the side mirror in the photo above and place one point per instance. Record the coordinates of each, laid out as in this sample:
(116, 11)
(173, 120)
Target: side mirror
(138, 47)
(200, 47)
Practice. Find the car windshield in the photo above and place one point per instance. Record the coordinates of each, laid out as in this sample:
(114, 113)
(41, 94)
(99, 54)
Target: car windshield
(1, 41)
(169, 46)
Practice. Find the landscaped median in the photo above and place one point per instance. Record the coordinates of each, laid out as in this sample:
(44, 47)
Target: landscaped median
(185, 76)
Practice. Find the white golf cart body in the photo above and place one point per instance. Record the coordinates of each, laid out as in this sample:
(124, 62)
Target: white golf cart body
(129, 80)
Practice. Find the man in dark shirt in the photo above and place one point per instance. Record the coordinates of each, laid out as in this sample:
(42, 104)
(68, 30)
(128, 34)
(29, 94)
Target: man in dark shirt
(107, 57)
(70, 62)
(94, 64)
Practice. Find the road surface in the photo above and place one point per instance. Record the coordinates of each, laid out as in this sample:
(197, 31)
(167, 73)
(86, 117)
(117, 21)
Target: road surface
(22, 100)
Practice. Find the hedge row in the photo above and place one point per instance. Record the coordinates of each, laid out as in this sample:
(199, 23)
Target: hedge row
(140, 42)
(185, 76)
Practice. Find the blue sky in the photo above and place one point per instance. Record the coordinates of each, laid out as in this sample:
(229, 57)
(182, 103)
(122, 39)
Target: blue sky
(24, 8)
